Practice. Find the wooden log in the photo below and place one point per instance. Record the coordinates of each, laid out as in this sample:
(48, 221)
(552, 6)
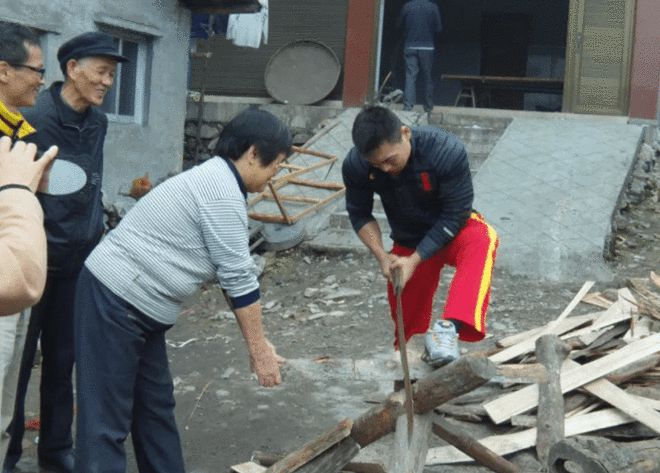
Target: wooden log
(482, 455)
(442, 385)
(312, 449)
(599, 455)
(267, 459)
(551, 353)
(334, 459)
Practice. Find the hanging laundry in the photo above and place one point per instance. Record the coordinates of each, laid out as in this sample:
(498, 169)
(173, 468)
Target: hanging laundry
(248, 29)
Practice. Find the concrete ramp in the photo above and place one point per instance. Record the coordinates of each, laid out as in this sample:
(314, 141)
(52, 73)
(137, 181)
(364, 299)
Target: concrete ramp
(550, 187)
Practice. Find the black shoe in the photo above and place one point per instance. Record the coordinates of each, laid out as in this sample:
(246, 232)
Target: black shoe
(59, 464)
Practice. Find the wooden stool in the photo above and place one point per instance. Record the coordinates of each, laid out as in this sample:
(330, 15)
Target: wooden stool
(467, 92)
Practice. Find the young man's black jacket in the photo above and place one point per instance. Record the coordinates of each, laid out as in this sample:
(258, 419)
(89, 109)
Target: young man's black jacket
(427, 204)
(74, 222)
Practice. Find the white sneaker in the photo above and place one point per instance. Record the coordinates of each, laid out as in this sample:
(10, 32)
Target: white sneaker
(441, 344)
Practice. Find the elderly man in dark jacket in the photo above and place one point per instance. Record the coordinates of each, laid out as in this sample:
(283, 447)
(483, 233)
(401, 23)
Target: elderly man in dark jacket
(66, 115)
(420, 23)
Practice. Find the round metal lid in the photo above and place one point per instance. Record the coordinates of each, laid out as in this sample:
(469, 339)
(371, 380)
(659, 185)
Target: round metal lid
(302, 73)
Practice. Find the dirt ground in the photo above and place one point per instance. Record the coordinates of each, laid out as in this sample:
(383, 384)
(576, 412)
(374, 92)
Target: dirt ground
(224, 416)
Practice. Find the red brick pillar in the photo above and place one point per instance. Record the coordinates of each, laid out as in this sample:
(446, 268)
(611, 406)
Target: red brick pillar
(645, 71)
(360, 53)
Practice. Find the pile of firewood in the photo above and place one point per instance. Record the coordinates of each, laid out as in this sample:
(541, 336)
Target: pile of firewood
(581, 374)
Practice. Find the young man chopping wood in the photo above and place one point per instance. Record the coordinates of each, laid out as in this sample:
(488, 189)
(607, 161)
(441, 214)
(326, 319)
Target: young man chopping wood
(422, 176)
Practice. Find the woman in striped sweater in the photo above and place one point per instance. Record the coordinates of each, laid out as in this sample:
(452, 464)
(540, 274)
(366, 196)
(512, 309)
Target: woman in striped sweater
(190, 229)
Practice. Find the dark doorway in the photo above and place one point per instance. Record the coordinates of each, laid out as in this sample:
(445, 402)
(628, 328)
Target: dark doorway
(515, 38)
(504, 51)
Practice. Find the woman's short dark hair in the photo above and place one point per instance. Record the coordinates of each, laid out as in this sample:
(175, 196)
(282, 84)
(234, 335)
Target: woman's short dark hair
(13, 39)
(373, 126)
(254, 127)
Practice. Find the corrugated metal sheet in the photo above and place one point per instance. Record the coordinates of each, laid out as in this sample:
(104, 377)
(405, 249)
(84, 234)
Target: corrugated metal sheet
(236, 70)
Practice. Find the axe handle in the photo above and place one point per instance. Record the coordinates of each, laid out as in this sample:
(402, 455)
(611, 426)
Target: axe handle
(401, 336)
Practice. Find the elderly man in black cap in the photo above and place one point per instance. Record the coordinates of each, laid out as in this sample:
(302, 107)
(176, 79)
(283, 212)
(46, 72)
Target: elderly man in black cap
(65, 115)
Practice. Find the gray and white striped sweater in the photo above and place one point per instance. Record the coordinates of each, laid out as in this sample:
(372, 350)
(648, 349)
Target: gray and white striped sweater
(186, 231)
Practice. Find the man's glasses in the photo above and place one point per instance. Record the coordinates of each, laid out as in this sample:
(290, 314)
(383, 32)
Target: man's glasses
(39, 70)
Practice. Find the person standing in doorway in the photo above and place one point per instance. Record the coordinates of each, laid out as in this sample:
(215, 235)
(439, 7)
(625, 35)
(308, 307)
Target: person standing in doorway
(420, 23)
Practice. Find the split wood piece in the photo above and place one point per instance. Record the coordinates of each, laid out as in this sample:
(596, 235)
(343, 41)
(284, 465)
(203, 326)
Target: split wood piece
(481, 454)
(617, 397)
(633, 370)
(551, 353)
(334, 459)
(522, 374)
(409, 454)
(649, 301)
(268, 459)
(442, 385)
(523, 420)
(474, 413)
(611, 316)
(566, 325)
(311, 152)
(597, 299)
(655, 279)
(607, 337)
(527, 344)
(576, 300)
(599, 455)
(525, 399)
(312, 449)
(511, 443)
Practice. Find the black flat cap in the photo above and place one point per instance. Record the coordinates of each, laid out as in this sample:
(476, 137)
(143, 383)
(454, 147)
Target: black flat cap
(89, 44)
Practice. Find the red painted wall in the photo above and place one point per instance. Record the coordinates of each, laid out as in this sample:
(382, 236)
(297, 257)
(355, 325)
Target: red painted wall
(645, 74)
(360, 51)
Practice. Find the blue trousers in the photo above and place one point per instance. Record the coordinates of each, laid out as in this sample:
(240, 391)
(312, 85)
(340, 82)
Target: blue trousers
(52, 320)
(418, 60)
(123, 385)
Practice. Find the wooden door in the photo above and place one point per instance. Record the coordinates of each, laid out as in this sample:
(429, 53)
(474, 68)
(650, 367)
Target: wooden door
(598, 53)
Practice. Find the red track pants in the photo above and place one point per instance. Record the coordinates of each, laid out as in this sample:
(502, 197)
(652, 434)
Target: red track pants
(472, 252)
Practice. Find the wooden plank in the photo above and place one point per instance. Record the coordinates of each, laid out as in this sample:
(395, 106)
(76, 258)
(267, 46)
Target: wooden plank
(611, 316)
(597, 299)
(312, 449)
(528, 373)
(528, 345)
(521, 401)
(576, 300)
(468, 445)
(617, 397)
(511, 443)
(316, 184)
(566, 325)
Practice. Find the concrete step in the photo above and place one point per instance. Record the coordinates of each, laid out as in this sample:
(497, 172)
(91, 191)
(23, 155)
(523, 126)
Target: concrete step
(340, 220)
(468, 119)
(475, 133)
